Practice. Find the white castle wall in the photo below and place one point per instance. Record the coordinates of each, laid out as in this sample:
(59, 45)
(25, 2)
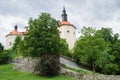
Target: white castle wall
(68, 32)
(10, 39)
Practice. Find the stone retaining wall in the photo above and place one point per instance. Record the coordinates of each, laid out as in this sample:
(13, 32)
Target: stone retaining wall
(28, 65)
(79, 76)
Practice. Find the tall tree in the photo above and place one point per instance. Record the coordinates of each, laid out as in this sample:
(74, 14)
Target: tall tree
(14, 51)
(92, 50)
(105, 33)
(43, 41)
(1, 48)
(113, 39)
(64, 48)
(4, 55)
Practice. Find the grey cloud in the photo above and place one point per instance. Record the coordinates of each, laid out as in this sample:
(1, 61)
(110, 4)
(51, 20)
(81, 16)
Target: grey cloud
(80, 12)
(104, 9)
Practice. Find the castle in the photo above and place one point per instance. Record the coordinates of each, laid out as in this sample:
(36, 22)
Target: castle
(10, 38)
(67, 31)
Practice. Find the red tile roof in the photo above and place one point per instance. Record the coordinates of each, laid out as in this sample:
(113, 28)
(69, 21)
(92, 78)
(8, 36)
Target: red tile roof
(65, 23)
(14, 32)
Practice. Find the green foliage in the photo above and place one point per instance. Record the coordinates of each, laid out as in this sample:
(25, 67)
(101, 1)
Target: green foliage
(7, 73)
(105, 33)
(15, 49)
(92, 49)
(64, 48)
(43, 37)
(80, 70)
(113, 39)
(87, 31)
(17, 41)
(1, 48)
(115, 51)
(5, 57)
(42, 41)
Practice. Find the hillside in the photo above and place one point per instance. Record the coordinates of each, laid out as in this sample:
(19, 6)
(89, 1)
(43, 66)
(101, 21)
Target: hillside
(80, 72)
(84, 74)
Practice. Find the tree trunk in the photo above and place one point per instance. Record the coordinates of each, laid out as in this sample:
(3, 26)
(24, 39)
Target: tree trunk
(49, 65)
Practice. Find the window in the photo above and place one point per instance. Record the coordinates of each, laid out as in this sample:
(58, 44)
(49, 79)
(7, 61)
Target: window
(68, 31)
(73, 32)
(10, 43)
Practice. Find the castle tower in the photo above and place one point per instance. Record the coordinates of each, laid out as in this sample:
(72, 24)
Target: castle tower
(10, 38)
(67, 30)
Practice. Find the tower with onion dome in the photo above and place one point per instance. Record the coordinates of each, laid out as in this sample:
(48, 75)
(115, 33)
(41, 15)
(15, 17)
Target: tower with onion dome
(10, 38)
(67, 30)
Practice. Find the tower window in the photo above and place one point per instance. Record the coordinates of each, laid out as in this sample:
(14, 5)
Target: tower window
(10, 43)
(73, 32)
(68, 31)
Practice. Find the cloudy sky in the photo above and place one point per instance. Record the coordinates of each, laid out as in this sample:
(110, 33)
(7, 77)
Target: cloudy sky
(95, 13)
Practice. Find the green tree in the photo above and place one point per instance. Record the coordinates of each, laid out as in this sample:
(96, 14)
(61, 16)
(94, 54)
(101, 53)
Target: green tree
(64, 48)
(105, 33)
(43, 41)
(14, 50)
(115, 50)
(114, 41)
(92, 50)
(1, 48)
(4, 55)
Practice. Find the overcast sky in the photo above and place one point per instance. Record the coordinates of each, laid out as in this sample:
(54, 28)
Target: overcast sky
(94, 13)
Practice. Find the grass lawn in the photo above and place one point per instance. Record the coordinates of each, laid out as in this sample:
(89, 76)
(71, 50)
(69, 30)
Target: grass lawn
(7, 73)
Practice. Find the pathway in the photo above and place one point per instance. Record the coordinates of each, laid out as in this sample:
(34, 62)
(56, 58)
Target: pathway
(69, 63)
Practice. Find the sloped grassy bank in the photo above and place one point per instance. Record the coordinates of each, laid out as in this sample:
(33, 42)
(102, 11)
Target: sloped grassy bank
(84, 74)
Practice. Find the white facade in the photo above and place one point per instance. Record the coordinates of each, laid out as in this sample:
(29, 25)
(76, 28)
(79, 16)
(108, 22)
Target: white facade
(68, 32)
(10, 39)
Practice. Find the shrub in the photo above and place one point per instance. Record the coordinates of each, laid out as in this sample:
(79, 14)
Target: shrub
(5, 57)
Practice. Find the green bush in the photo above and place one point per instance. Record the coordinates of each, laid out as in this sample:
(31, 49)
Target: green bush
(64, 49)
(5, 57)
(96, 51)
